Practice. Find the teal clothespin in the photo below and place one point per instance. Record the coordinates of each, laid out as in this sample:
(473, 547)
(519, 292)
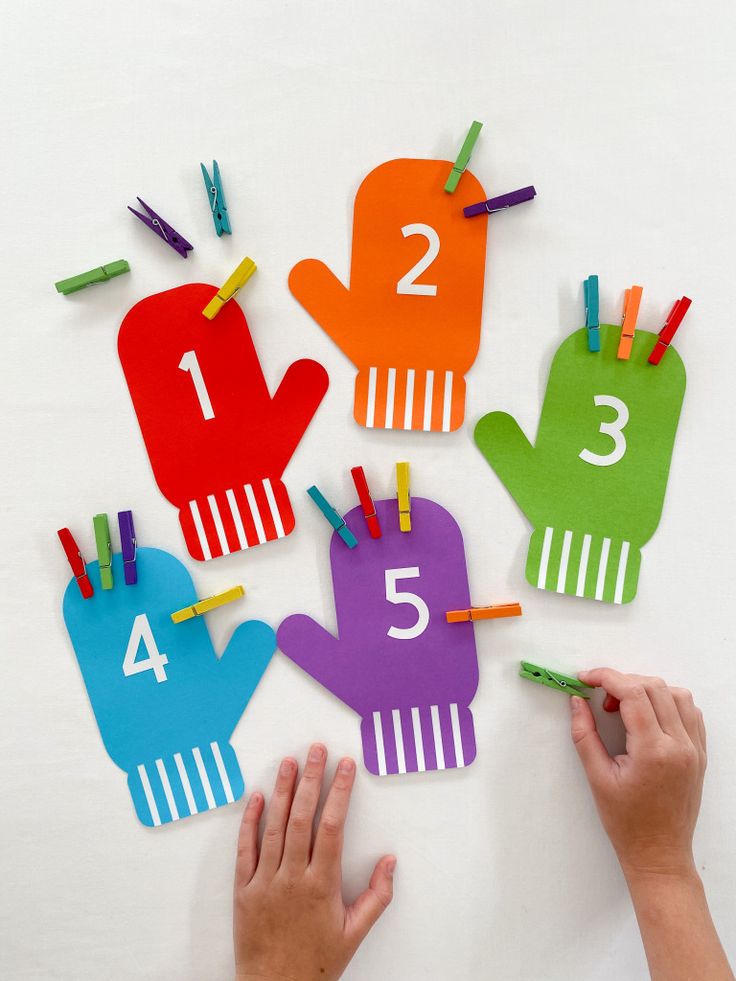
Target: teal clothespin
(463, 157)
(104, 549)
(217, 199)
(592, 319)
(333, 517)
(99, 275)
(553, 679)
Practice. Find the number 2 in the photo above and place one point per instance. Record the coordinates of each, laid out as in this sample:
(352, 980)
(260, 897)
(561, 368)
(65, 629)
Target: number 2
(613, 429)
(189, 363)
(395, 596)
(154, 662)
(406, 284)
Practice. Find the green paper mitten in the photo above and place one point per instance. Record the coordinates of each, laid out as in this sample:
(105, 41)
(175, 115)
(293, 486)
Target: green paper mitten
(593, 484)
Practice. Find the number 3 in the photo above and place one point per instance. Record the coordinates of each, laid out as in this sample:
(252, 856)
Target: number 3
(394, 596)
(406, 284)
(613, 429)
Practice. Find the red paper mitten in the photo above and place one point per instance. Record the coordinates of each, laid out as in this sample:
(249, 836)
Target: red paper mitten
(217, 441)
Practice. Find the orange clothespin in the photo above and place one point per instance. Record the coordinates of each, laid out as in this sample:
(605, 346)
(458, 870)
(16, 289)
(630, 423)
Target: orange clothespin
(484, 613)
(366, 501)
(632, 299)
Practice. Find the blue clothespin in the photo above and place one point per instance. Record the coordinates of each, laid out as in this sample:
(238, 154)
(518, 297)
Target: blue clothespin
(129, 546)
(592, 322)
(216, 199)
(333, 517)
(164, 230)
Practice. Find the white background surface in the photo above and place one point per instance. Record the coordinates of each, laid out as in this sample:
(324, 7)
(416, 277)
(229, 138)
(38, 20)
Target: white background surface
(621, 114)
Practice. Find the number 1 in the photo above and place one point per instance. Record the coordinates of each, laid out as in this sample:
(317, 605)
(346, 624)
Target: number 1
(189, 363)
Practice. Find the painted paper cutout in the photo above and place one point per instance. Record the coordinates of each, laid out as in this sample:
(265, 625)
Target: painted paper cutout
(165, 704)
(396, 661)
(410, 319)
(593, 484)
(218, 442)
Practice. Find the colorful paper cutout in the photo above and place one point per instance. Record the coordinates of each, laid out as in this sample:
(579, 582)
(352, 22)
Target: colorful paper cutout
(165, 704)
(410, 320)
(593, 484)
(396, 661)
(218, 442)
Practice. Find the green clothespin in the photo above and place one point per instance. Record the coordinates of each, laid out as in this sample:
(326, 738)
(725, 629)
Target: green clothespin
(99, 275)
(463, 157)
(104, 549)
(553, 679)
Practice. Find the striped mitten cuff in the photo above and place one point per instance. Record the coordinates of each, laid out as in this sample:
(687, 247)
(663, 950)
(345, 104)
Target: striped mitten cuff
(417, 738)
(236, 518)
(582, 564)
(177, 785)
(432, 400)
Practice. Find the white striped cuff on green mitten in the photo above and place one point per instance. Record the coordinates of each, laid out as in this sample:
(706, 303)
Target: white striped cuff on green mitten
(581, 564)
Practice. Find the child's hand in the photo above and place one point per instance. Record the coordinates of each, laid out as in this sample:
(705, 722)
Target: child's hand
(291, 923)
(648, 798)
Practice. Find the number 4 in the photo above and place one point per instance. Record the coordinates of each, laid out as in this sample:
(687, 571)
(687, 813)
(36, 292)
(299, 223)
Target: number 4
(154, 662)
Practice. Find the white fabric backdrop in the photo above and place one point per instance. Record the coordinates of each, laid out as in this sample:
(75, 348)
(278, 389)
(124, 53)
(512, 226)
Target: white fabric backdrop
(621, 114)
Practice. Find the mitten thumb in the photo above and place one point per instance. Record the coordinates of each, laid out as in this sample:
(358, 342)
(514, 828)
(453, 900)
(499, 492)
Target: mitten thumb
(242, 665)
(506, 448)
(326, 299)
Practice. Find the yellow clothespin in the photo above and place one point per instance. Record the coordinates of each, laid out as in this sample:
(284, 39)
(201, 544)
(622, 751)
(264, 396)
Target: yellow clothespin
(632, 299)
(205, 605)
(402, 483)
(230, 287)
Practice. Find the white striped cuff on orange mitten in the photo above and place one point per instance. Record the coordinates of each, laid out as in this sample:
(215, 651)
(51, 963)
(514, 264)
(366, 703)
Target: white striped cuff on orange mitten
(432, 400)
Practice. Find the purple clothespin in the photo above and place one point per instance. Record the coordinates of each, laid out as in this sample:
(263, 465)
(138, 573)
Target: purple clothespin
(164, 230)
(129, 546)
(500, 203)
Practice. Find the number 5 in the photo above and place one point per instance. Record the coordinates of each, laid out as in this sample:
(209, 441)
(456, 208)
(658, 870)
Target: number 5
(394, 596)
(613, 429)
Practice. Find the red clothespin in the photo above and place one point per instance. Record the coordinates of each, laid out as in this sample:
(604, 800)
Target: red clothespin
(671, 324)
(74, 557)
(366, 502)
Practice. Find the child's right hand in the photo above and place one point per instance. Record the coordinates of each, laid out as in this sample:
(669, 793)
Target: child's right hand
(648, 798)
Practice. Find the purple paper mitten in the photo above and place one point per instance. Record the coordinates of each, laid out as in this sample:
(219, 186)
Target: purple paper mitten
(396, 661)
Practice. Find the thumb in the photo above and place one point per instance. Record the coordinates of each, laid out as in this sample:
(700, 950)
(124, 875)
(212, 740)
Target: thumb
(294, 403)
(367, 908)
(501, 441)
(321, 655)
(326, 299)
(242, 664)
(593, 754)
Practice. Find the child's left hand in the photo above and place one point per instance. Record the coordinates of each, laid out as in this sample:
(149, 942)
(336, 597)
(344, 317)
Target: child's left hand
(290, 920)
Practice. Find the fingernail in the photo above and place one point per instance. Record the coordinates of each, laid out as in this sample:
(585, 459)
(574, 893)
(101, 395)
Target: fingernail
(391, 866)
(575, 703)
(287, 767)
(254, 799)
(316, 753)
(346, 765)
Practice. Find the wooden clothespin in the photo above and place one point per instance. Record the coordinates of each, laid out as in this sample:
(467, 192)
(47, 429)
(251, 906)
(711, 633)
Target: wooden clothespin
(74, 557)
(632, 299)
(336, 520)
(231, 286)
(99, 275)
(366, 502)
(402, 484)
(129, 547)
(104, 549)
(592, 316)
(671, 324)
(463, 158)
(164, 230)
(484, 613)
(500, 203)
(216, 199)
(205, 605)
